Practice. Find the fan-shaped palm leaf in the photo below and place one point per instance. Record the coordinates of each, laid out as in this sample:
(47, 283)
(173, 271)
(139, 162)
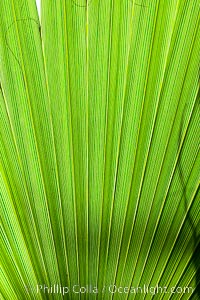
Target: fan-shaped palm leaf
(99, 148)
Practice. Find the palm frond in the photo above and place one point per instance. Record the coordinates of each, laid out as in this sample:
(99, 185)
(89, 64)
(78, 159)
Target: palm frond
(99, 107)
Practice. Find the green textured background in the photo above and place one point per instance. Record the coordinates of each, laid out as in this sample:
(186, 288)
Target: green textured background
(100, 134)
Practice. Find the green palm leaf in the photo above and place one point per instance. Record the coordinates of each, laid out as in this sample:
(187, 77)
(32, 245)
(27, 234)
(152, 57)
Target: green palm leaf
(99, 183)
